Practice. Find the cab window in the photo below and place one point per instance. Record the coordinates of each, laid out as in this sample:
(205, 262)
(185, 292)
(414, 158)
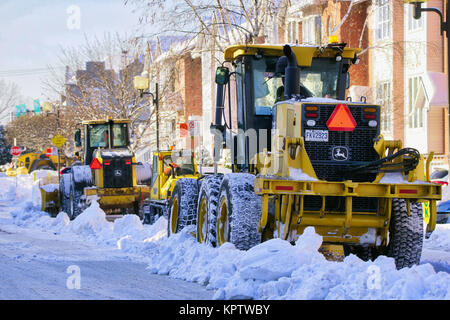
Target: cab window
(321, 77)
(120, 135)
(155, 169)
(98, 136)
(266, 85)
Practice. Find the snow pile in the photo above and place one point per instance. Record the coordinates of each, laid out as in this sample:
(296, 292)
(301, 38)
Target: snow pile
(439, 239)
(8, 189)
(27, 214)
(39, 174)
(92, 223)
(61, 221)
(127, 228)
(298, 174)
(274, 269)
(51, 187)
(397, 177)
(128, 225)
(277, 270)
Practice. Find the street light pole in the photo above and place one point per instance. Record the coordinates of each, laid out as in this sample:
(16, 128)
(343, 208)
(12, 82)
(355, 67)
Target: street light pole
(155, 100)
(156, 103)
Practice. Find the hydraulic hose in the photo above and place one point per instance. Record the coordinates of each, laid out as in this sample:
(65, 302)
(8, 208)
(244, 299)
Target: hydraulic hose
(410, 161)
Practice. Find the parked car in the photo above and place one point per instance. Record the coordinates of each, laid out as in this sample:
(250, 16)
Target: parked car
(443, 212)
(443, 208)
(440, 176)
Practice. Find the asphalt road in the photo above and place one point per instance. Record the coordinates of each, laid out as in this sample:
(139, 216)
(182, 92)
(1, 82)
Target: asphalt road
(40, 265)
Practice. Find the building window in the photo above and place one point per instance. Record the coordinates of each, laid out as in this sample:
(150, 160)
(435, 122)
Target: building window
(312, 30)
(415, 113)
(413, 24)
(330, 27)
(385, 101)
(383, 20)
(292, 32)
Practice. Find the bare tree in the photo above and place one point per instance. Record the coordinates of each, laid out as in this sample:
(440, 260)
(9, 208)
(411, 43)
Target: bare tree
(105, 87)
(9, 97)
(31, 131)
(223, 21)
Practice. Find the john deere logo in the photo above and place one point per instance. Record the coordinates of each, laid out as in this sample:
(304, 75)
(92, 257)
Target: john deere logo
(117, 173)
(340, 153)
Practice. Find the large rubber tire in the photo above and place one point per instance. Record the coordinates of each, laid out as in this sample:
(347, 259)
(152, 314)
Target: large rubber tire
(405, 234)
(64, 192)
(365, 253)
(139, 209)
(74, 202)
(182, 209)
(239, 211)
(208, 202)
(147, 211)
(81, 177)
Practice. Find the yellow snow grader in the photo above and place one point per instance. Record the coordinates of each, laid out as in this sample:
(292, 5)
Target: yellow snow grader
(106, 170)
(304, 154)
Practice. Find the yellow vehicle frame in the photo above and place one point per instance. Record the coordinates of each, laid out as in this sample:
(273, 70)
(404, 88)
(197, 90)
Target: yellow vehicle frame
(275, 184)
(163, 186)
(114, 198)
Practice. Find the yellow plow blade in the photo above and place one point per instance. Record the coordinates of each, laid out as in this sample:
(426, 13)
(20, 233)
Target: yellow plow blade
(332, 252)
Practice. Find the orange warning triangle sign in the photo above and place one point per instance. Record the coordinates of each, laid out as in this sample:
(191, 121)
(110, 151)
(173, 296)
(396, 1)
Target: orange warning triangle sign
(341, 119)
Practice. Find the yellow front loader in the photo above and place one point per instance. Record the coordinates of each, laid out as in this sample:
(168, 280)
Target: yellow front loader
(174, 174)
(106, 171)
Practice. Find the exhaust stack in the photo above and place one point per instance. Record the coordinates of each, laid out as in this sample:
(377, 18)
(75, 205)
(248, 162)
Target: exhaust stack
(291, 74)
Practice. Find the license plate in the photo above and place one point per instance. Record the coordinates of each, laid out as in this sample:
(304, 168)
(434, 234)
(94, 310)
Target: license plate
(316, 135)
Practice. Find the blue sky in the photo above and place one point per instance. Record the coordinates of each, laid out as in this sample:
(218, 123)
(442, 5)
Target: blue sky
(32, 31)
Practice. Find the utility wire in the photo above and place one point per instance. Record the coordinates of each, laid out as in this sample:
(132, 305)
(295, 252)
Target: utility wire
(25, 72)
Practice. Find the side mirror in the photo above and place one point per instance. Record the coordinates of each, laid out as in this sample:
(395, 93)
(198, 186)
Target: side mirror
(347, 81)
(78, 138)
(222, 75)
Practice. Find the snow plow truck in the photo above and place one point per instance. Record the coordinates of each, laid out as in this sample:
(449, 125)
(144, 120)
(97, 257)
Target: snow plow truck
(106, 170)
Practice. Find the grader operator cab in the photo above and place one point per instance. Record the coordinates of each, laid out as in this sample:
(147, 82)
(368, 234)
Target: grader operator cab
(304, 155)
(105, 171)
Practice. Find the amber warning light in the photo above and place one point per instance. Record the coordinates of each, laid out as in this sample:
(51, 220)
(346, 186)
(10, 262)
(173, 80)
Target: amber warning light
(341, 119)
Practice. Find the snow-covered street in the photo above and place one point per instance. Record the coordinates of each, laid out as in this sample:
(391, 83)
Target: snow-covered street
(36, 263)
(43, 258)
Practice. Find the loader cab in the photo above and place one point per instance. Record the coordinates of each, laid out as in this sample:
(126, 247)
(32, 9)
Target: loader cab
(260, 84)
(168, 167)
(106, 135)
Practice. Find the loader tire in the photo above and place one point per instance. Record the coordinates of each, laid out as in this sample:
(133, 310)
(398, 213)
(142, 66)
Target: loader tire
(182, 210)
(148, 213)
(81, 177)
(208, 202)
(64, 192)
(239, 211)
(405, 234)
(75, 202)
(365, 253)
(138, 207)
